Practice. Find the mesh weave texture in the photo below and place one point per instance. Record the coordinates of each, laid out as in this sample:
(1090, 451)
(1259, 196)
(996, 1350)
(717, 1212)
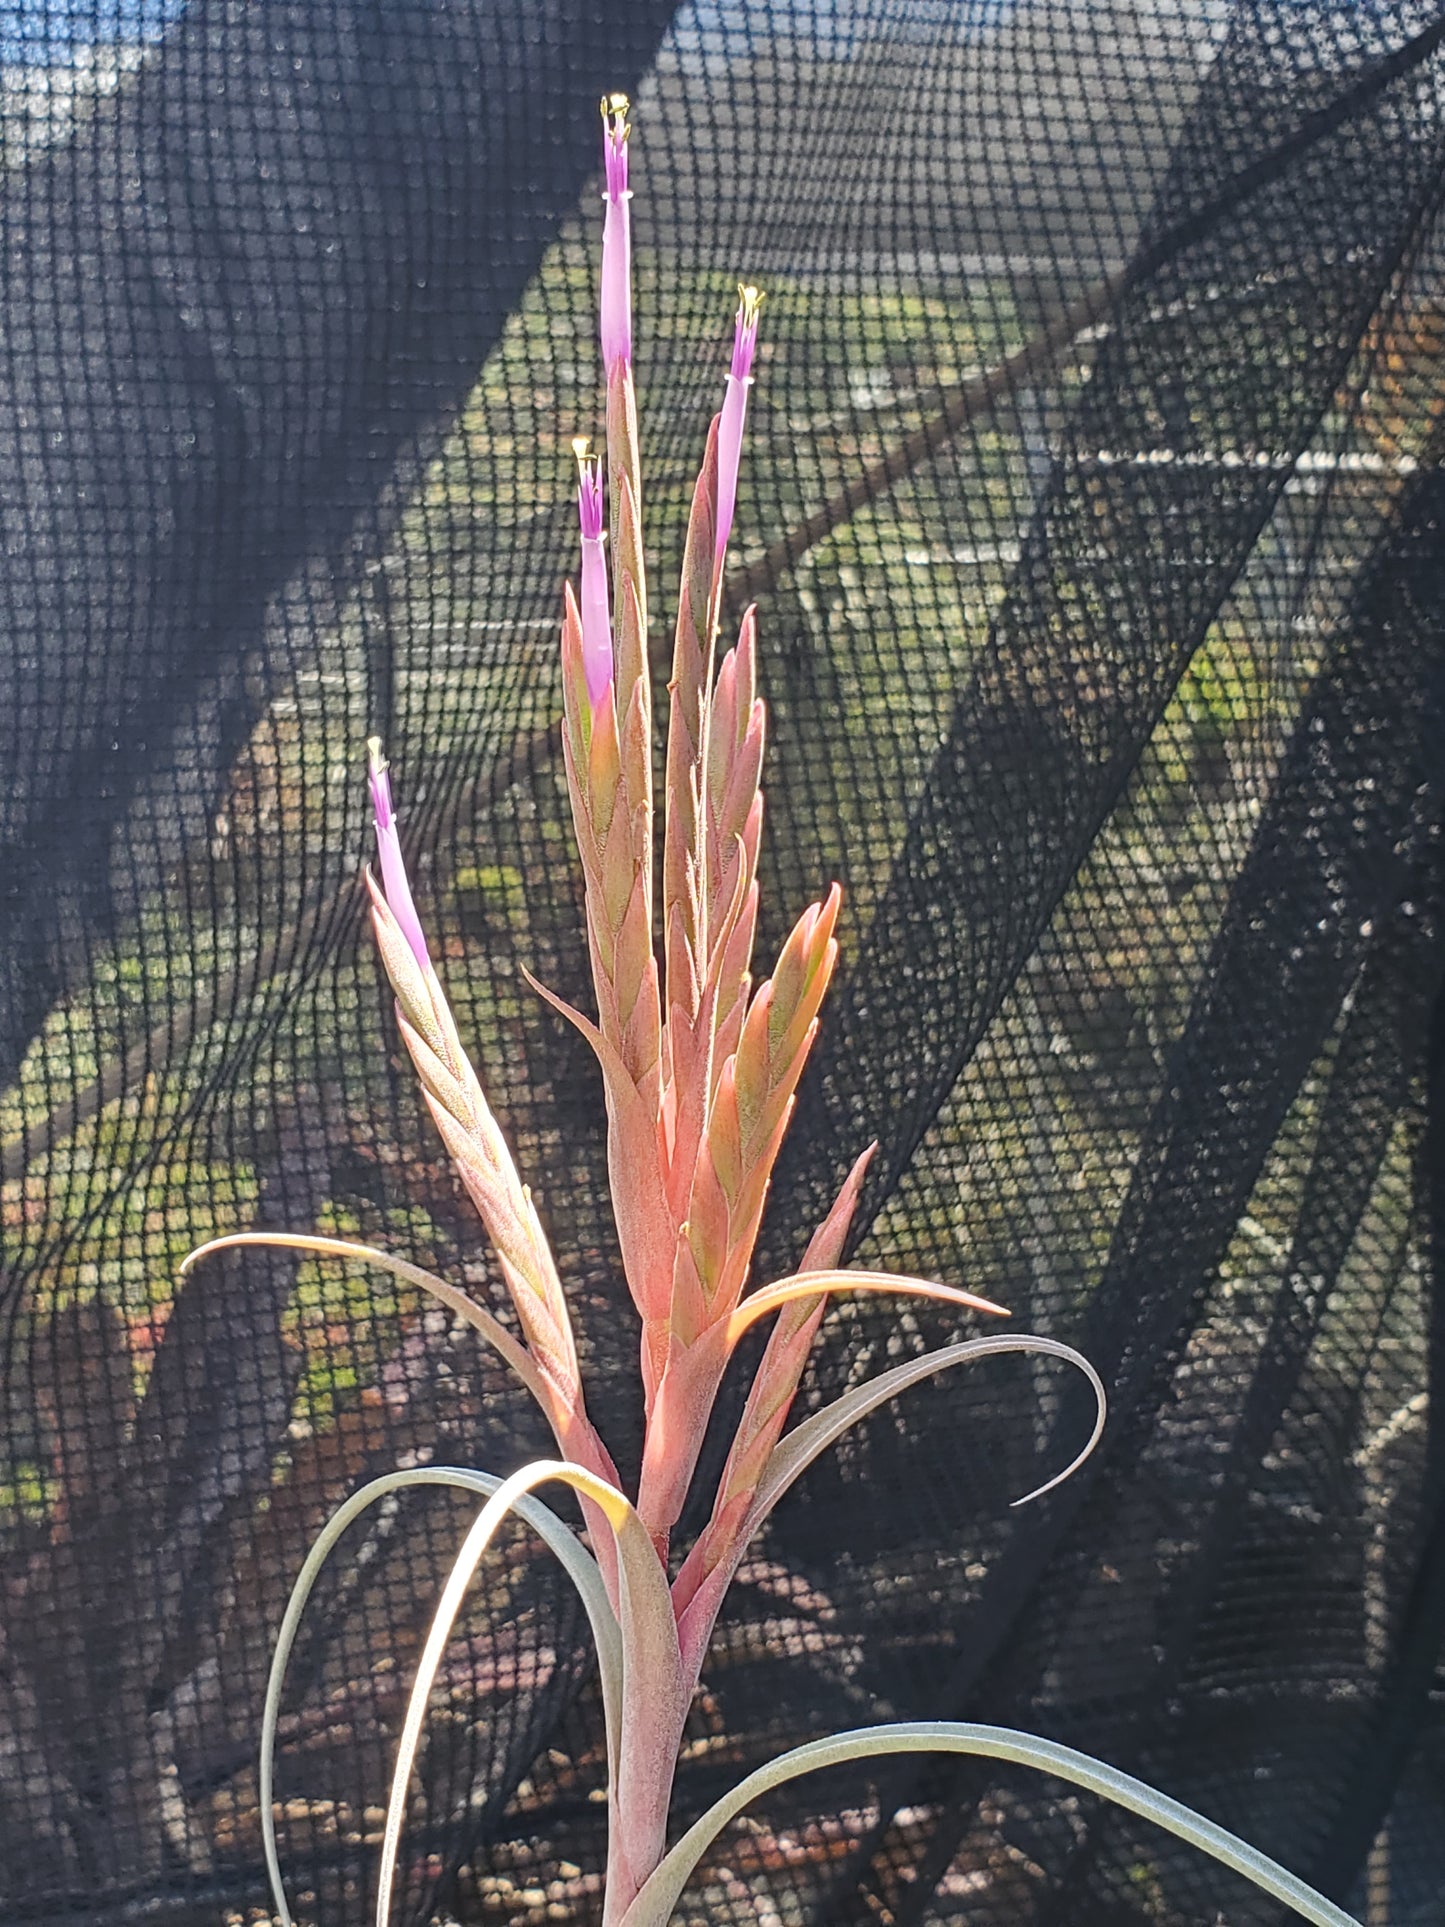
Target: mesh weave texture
(1094, 509)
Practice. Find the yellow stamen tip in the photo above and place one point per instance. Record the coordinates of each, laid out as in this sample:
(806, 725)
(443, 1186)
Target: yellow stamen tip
(751, 299)
(580, 446)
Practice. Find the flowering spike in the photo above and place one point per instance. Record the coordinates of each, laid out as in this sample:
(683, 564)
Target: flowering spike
(700, 1070)
(734, 415)
(616, 319)
(596, 613)
(395, 886)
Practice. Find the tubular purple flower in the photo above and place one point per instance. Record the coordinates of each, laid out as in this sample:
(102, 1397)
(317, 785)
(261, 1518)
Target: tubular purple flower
(734, 415)
(394, 885)
(593, 602)
(616, 328)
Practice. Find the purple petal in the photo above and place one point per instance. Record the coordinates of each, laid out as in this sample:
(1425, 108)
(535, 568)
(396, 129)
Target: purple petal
(394, 884)
(729, 457)
(615, 328)
(596, 620)
(734, 416)
(616, 315)
(593, 602)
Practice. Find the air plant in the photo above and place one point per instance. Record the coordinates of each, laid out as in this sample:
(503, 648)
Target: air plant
(700, 1066)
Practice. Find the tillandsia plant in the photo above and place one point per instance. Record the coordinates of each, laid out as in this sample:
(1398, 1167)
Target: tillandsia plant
(699, 1066)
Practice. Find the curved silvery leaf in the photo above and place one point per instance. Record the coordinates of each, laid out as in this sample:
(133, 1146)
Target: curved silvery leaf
(824, 1284)
(803, 1444)
(656, 1900)
(452, 1296)
(678, 1420)
(647, 1640)
(573, 1431)
(579, 1564)
(699, 1588)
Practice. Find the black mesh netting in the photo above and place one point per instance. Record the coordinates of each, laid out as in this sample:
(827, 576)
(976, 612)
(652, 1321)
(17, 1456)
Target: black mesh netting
(1094, 508)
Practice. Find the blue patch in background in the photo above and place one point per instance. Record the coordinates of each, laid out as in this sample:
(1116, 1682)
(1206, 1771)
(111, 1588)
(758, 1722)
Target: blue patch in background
(48, 33)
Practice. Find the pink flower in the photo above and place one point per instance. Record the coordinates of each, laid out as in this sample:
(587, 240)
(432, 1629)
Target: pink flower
(734, 414)
(616, 329)
(394, 885)
(596, 614)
